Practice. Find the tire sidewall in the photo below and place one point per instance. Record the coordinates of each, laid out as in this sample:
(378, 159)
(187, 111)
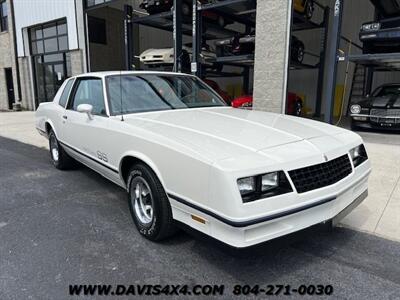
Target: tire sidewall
(148, 230)
(52, 135)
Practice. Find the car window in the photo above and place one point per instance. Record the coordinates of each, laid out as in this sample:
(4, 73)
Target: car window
(64, 96)
(148, 92)
(387, 91)
(89, 91)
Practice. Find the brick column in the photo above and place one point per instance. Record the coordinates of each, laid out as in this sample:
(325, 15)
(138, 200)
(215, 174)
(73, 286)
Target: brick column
(271, 55)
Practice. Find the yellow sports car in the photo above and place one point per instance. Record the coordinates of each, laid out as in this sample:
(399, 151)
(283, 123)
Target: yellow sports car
(305, 7)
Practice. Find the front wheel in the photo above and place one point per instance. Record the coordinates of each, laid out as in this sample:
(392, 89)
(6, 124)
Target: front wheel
(61, 160)
(149, 204)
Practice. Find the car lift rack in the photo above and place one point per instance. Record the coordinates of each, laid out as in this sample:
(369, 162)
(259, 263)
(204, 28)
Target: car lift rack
(242, 12)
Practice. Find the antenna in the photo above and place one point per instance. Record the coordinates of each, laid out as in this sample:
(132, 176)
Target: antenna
(120, 94)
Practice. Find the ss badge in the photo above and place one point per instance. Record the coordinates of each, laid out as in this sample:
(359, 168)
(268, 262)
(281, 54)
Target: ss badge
(102, 156)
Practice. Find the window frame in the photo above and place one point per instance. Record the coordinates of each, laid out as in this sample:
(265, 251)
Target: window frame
(67, 81)
(74, 89)
(2, 17)
(42, 39)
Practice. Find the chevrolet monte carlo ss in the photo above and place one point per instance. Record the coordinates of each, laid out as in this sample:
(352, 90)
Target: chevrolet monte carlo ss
(242, 177)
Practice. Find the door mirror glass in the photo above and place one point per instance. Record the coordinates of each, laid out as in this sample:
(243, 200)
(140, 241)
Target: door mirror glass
(85, 108)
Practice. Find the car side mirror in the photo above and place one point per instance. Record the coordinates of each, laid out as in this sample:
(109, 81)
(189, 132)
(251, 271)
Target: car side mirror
(87, 109)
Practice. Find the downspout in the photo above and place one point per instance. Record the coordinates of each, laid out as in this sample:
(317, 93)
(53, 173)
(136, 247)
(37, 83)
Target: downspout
(16, 52)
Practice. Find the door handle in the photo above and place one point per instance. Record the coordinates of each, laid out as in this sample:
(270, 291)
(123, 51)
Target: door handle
(65, 117)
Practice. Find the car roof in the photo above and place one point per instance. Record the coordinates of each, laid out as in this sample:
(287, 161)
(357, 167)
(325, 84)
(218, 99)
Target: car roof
(110, 73)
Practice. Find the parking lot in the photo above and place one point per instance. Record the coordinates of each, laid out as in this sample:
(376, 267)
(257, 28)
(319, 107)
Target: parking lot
(61, 228)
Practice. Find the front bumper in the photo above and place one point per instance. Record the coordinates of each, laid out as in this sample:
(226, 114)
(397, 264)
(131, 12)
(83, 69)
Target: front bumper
(376, 122)
(240, 234)
(384, 35)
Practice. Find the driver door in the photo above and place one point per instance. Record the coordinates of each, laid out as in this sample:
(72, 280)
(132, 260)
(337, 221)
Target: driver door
(85, 135)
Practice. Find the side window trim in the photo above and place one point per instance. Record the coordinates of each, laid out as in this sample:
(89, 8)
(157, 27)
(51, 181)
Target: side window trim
(69, 93)
(75, 88)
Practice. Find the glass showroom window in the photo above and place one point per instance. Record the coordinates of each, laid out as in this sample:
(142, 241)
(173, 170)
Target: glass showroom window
(49, 38)
(51, 60)
(3, 16)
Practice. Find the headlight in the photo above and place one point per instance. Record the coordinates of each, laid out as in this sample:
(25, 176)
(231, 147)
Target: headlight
(355, 109)
(263, 186)
(247, 185)
(269, 181)
(371, 27)
(358, 155)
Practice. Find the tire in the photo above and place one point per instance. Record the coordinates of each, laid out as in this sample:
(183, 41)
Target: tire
(149, 204)
(297, 52)
(298, 108)
(309, 9)
(61, 160)
(300, 53)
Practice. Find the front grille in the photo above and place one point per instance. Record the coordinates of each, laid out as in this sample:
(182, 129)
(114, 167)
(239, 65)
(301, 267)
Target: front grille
(319, 176)
(386, 114)
(390, 24)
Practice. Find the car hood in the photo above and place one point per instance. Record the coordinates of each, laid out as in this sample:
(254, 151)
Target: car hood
(224, 132)
(381, 102)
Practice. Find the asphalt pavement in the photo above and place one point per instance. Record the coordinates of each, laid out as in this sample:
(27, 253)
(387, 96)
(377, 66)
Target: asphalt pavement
(73, 227)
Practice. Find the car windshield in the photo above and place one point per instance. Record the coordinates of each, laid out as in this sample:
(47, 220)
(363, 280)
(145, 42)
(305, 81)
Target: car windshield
(153, 92)
(385, 91)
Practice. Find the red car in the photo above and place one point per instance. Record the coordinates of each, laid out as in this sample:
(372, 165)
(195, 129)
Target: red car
(294, 103)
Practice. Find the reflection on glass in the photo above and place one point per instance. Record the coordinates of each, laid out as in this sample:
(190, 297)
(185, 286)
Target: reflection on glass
(63, 43)
(49, 31)
(62, 28)
(50, 45)
(53, 57)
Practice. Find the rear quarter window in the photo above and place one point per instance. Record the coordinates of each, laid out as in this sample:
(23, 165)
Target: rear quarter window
(64, 96)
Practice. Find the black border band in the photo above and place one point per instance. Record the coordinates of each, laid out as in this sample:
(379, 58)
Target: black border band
(266, 218)
(254, 221)
(91, 158)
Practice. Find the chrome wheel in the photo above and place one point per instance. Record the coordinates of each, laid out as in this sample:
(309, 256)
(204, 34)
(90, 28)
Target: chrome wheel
(142, 200)
(309, 10)
(298, 109)
(54, 148)
(300, 55)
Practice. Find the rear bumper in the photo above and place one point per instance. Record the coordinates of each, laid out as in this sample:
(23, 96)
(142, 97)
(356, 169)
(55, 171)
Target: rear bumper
(242, 234)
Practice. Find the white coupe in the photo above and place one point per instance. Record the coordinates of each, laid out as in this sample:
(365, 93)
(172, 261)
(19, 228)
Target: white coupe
(242, 177)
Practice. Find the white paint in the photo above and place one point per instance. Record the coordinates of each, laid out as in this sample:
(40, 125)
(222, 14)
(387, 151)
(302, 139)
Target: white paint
(32, 12)
(216, 146)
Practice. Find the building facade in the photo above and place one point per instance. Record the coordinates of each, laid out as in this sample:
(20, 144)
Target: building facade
(9, 77)
(50, 47)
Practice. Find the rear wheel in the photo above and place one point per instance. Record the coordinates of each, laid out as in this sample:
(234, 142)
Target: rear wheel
(149, 204)
(61, 160)
(309, 9)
